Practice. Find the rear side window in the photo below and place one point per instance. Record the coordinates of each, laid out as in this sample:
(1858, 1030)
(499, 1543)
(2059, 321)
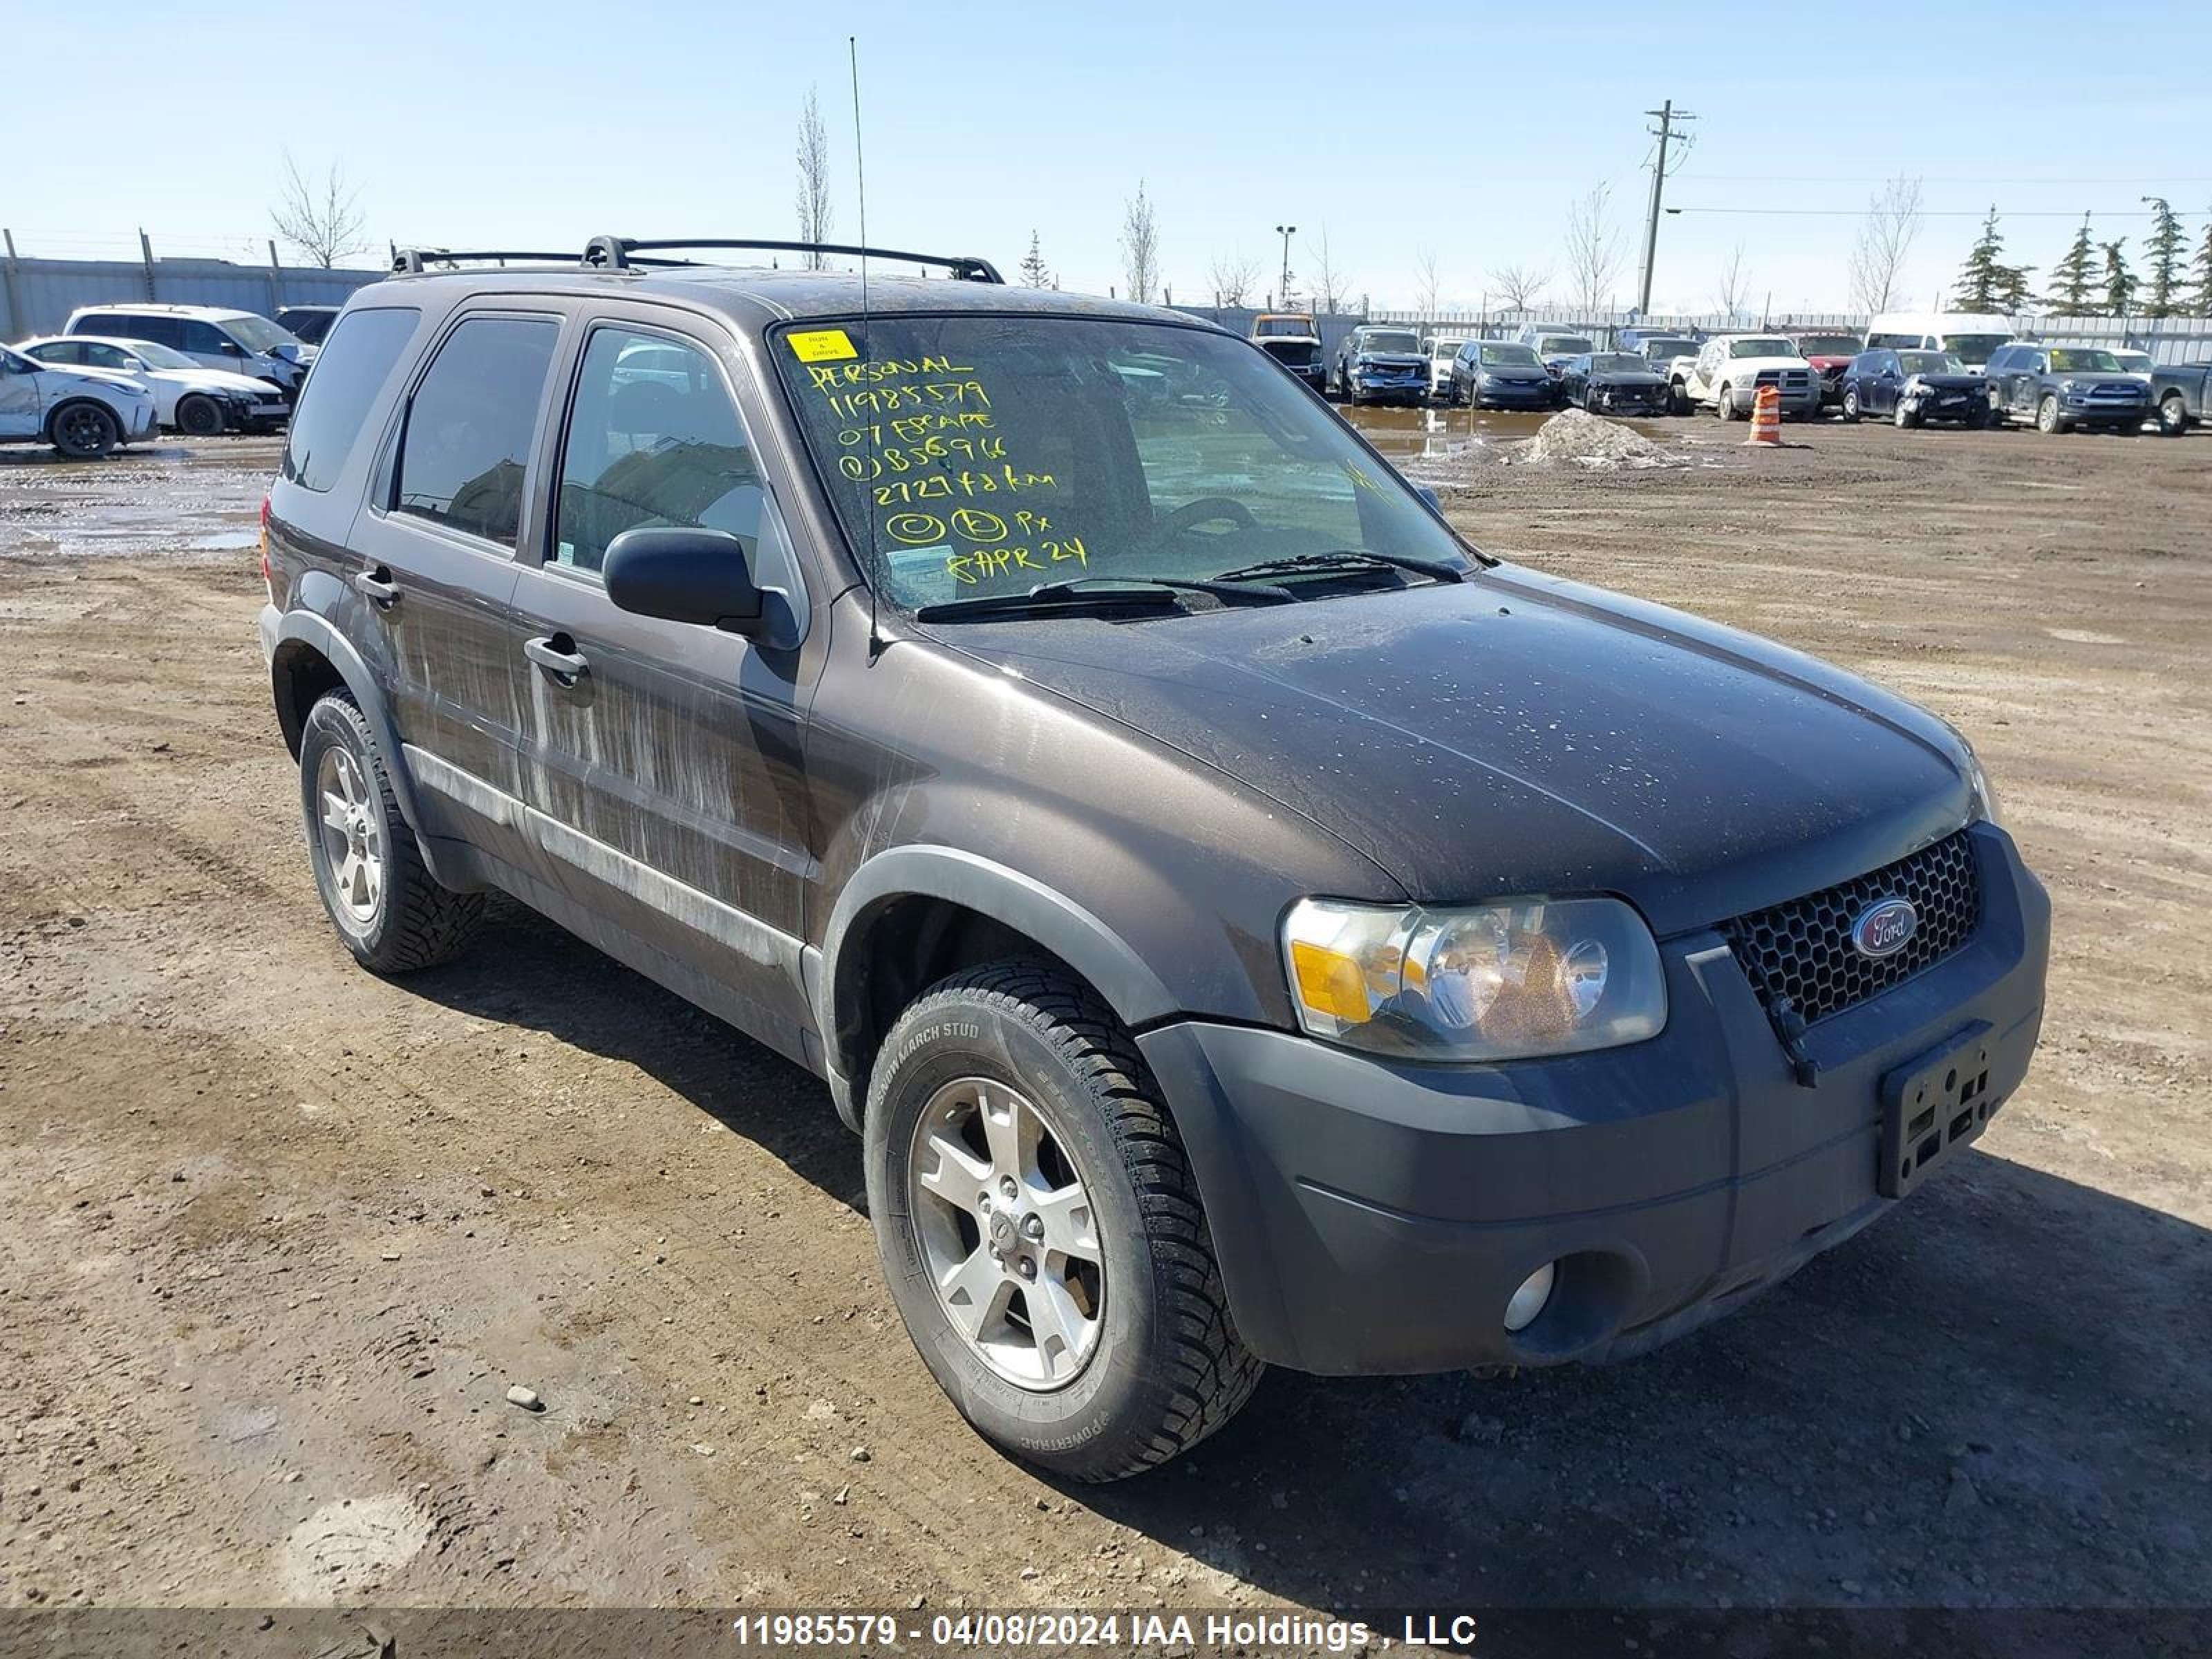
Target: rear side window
(353, 369)
(467, 442)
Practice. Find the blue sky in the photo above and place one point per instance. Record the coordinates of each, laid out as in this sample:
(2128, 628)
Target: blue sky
(1463, 129)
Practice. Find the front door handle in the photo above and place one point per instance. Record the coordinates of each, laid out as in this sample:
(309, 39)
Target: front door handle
(377, 585)
(566, 666)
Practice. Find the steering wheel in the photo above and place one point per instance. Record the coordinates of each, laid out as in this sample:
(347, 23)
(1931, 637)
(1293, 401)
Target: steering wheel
(1206, 509)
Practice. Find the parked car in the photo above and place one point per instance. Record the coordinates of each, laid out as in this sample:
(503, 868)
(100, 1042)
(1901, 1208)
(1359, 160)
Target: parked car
(1375, 362)
(2062, 388)
(211, 335)
(1502, 375)
(1830, 353)
(1613, 383)
(1969, 335)
(1672, 357)
(84, 413)
(1554, 345)
(1655, 343)
(1293, 339)
(1730, 368)
(1441, 349)
(2184, 392)
(308, 323)
(1913, 387)
(1224, 906)
(2133, 363)
(187, 398)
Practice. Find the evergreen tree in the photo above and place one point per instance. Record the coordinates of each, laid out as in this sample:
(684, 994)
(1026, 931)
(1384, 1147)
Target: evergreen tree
(1033, 270)
(2074, 278)
(2120, 283)
(2164, 247)
(1985, 283)
(2200, 274)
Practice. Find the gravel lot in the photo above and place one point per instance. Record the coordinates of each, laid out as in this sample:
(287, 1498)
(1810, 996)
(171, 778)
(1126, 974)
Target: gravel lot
(277, 1238)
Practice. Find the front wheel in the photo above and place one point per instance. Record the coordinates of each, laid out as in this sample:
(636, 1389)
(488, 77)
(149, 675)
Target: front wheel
(391, 913)
(1726, 407)
(1905, 417)
(2046, 416)
(198, 417)
(1041, 1229)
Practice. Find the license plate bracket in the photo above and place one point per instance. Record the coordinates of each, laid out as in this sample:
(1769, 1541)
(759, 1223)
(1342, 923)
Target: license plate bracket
(1931, 1106)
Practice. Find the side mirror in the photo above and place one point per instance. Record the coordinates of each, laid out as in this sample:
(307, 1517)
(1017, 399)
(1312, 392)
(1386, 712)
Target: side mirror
(686, 574)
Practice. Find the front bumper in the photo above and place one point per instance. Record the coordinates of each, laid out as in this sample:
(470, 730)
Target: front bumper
(1374, 1216)
(145, 422)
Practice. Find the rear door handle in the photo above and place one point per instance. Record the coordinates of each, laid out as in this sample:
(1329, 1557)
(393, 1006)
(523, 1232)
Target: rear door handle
(545, 651)
(377, 585)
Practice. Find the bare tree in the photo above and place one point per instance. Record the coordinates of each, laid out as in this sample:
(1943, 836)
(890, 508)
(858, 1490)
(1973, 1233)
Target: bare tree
(1885, 238)
(1140, 247)
(1428, 281)
(1519, 287)
(1593, 249)
(323, 220)
(1732, 288)
(814, 213)
(1233, 277)
(1332, 283)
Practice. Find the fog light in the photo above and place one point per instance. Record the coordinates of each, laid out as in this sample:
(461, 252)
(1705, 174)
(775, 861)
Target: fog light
(1529, 1301)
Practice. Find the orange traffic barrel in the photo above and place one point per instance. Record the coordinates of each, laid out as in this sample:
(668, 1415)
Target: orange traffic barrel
(1766, 418)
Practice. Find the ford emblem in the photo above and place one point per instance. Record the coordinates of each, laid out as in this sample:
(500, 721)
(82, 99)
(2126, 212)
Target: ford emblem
(1882, 929)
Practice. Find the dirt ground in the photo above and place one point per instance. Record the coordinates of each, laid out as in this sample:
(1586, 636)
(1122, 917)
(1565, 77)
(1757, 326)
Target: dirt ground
(276, 1236)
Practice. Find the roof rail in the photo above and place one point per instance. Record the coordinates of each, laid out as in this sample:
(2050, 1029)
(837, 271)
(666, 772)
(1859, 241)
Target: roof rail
(414, 261)
(619, 252)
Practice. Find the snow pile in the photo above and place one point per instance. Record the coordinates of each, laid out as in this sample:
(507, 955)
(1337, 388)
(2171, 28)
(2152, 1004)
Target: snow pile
(1587, 439)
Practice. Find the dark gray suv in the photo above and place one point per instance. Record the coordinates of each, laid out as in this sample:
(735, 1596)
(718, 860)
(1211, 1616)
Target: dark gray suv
(1245, 923)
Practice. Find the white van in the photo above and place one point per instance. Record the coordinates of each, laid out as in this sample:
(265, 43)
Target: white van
(1969, 335)
(215, 337)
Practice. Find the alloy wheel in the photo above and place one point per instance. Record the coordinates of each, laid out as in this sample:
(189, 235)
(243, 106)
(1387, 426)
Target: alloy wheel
(1008, 1233)
(352, 830)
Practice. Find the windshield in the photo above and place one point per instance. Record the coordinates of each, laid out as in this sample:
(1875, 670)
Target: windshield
(1617, 362)
(1929, 362)
(1383, 340)
(1446, 348)
(972, 455)
(160, 356)
(1508, 356)
(1974, 349)
(1554, 345)
(1658, 349)
(1829, 345)
(2136, 362)
(259, 333)
(1268, 325)
(1776, 348)
(2080, 362)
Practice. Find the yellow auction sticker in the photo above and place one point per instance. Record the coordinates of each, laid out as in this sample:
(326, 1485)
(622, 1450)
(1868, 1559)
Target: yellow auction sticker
(821, 345)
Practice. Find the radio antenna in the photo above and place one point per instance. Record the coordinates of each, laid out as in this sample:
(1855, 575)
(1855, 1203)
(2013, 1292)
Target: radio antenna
(868, 347)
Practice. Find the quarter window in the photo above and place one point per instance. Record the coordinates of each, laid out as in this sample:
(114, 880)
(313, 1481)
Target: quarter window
(467, 443)
(654, 441)
(356, 362)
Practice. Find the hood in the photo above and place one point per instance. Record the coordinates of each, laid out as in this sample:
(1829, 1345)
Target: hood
(1735, 367)
(1628, 379)
(1520, 734)
(1391, 359)
(216, 380)
(1961, 382)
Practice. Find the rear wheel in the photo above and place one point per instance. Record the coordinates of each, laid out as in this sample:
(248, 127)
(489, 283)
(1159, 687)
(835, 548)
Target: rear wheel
(1040, 1230)
(2047, 416)
(84, 431)
(1851, 403)
(2172, 415)
(389, 909)
(199, 416)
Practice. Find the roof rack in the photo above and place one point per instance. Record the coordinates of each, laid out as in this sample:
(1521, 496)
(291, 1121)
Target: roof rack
(619, 253)
(414, 261)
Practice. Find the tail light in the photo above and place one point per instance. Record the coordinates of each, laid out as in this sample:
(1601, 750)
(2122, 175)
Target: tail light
(267, 576)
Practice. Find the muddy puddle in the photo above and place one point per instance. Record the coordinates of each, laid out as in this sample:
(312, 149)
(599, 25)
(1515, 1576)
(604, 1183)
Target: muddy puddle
(180, 498)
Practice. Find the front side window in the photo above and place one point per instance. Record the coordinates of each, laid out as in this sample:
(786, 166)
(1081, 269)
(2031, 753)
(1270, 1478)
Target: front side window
(204, 339)
(654, 439)
(969, 455)
(363, 351)
(467, 444)
(257, 333)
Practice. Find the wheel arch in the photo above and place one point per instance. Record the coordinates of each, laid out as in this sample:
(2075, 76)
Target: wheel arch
(909, 915)
(71, 400)
(311, 659)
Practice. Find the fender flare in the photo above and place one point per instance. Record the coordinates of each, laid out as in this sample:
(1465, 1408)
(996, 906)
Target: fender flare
(306, 627)
(1055, 921)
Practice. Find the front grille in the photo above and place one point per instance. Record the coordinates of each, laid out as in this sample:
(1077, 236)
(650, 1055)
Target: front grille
(1802, 951)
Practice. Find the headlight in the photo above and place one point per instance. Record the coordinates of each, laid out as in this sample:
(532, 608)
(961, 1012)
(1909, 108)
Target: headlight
(1982, 804)
(2066, 386)
(1491, 981)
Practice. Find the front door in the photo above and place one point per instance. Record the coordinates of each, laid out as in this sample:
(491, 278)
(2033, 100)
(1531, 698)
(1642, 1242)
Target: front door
(19, 396)
(662, 764)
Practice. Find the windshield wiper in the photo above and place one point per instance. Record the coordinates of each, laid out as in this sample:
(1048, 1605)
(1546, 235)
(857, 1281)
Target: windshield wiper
(1153, 592)
(1344, 559)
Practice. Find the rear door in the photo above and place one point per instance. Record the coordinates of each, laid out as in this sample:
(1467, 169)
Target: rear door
(433, 562)
(662, 759)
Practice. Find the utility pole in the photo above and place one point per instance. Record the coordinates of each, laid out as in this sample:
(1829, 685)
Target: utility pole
(1283, 294)
(1666, 115)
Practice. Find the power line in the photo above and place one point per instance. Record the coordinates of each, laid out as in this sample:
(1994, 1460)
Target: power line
(1960, 179)
(1926, 213)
